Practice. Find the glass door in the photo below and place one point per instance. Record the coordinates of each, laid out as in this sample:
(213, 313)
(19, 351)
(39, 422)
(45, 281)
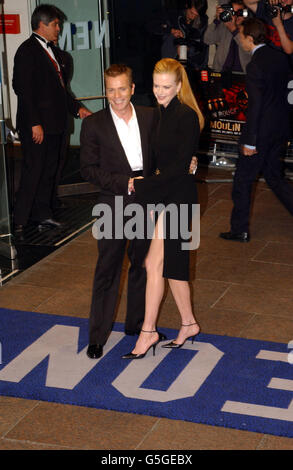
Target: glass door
(7, 248)
(85, 37)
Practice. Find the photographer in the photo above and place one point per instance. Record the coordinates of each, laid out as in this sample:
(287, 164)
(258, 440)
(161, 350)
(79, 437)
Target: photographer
(229, 56)
(280, 20)
(183, 28)
(280, 27)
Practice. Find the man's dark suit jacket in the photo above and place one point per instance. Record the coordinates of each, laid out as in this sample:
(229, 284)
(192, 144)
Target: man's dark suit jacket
(41, 98)
(268, 110)
(103, 160)
(104, 163)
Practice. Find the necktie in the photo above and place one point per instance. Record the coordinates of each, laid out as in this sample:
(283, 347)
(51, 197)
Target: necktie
(56, 68)
(54, 62)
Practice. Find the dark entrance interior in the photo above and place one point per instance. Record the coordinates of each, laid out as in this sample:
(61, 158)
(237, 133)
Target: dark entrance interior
(133, 44)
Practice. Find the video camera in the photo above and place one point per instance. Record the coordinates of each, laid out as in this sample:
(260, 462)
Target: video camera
(274, 9)
(229, 12)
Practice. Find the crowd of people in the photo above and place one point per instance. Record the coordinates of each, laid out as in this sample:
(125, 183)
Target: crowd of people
(191, 27)
(146, 156)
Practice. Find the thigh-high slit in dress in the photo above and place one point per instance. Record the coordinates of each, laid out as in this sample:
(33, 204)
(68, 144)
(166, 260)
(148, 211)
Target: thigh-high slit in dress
(175, 142)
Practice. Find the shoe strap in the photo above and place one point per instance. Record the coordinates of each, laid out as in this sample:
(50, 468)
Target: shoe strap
(195, 323)
(145, 331)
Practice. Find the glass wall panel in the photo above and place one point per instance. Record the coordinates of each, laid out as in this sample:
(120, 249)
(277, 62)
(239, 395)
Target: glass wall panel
(4, 205)
(6, 247)
(85, 37)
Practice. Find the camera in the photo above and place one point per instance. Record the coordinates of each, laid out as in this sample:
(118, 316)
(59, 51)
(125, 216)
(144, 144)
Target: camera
(229, 12)
(188, 46)
(287, 8)
(182, 49)
(274, 9)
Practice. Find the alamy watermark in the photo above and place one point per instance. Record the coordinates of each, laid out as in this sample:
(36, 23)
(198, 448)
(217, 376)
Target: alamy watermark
(132, 221)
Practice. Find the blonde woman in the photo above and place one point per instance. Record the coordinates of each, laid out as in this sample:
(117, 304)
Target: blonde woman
(175, 142)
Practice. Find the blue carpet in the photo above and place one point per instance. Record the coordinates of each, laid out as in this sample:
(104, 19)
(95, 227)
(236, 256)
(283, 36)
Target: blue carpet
(219, 380)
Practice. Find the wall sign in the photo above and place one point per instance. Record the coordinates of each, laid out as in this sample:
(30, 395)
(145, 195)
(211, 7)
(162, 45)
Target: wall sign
(10, 24)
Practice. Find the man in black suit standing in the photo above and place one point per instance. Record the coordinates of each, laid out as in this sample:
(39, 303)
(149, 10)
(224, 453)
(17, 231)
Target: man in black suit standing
(43, 104)
(266, 130)
(115, 148)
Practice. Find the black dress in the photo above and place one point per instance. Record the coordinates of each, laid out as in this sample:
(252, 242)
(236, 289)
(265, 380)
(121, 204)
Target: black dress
(175, 143)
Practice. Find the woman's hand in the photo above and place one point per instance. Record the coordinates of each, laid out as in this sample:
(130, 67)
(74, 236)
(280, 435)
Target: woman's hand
(193, 166)
(131, 188)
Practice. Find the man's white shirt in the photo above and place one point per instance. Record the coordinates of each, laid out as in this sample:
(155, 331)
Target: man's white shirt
(47, 49)
(129, 136)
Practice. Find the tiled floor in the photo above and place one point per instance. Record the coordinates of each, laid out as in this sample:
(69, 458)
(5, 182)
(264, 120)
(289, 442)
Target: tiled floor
(239, 289)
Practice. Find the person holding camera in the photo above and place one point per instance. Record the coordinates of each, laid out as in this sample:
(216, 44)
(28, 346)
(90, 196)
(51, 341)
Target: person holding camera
(283, 16)
(224, 33)
(182, 33)
(279, 20)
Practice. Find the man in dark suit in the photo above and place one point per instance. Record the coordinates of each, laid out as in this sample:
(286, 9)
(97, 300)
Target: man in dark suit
(115, 148)
(43, 104)
(266, 130)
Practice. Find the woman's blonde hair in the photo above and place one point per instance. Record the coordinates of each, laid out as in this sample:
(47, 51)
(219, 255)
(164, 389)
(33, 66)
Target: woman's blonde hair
(185, 94)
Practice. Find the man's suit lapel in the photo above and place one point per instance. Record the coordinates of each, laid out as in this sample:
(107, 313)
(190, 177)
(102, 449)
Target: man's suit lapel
(46, 59)
(113, 137)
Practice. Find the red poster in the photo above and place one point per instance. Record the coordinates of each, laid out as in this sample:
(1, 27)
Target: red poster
(226, 102)
(9, 24)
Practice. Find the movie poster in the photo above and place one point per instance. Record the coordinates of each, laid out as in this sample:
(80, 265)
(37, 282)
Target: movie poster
(224, 102)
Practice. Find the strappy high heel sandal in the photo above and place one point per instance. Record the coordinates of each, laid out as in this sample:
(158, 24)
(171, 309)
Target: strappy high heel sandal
(173, 345)
(141, 355)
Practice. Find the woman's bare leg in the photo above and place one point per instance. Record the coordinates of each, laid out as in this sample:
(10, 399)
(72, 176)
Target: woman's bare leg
(181, 294)
(155, 287)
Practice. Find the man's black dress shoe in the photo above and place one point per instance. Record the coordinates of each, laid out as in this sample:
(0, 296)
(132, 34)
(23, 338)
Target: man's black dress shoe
(49, 223)
(238, 237)
(94, 351)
